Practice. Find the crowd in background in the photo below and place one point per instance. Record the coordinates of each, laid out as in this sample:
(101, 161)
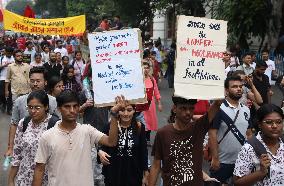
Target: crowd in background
(46, 83)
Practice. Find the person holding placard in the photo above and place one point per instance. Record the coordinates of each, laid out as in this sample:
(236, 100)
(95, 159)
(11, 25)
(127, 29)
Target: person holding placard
(75, 141)
(126, 164)
(178, 146)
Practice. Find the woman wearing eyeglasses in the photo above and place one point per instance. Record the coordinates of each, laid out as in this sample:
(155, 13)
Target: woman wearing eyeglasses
(267, 168)
(27, 138)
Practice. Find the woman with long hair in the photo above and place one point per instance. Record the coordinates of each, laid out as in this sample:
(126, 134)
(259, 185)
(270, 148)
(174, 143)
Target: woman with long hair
(126, 164)
(69, 80)
(55, 86)
(153, 94)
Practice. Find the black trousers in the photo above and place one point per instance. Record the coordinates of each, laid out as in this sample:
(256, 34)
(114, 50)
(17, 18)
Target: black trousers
(5, 103)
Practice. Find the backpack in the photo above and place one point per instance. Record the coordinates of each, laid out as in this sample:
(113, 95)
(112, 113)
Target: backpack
(259, 148)
(51, 122)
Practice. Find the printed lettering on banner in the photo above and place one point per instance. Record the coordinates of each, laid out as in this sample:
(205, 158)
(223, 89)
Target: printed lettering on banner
(199, 72)
(116, 66)
(60, 26)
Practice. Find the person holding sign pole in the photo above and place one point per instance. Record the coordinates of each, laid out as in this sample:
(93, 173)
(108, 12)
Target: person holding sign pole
(177, 149)
(75, 141)
(126, 164)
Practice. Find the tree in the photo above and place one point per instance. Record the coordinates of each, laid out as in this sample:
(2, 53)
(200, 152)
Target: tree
(93, 9)
(51, 8)
(18, 6)
(245, 18)
(181, 7)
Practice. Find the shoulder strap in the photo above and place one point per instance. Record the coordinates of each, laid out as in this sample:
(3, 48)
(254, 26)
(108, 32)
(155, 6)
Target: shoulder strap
(54, 118)
(257, 146)
(228, 130)
(73, 62)
(26, 121)
(233, 128)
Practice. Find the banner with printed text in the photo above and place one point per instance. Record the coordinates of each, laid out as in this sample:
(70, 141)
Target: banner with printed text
(116, 66)
(59, 26)
(199, 72)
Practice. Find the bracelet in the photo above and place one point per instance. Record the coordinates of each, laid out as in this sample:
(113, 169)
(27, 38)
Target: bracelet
(114, 114)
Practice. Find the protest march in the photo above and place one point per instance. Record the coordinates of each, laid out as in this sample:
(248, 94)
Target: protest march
(115, 106)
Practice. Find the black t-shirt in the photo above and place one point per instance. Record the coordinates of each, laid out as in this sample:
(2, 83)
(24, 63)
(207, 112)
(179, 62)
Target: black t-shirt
(129, 158)
(262, 86)
(181, 153)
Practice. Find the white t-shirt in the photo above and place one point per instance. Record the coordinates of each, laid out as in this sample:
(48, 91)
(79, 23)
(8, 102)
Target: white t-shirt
(271, 67)
(68, 155)
(5, 60)
(62, 51)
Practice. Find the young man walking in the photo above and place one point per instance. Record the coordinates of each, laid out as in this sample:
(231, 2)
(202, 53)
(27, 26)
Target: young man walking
(178, 146)
(65, 150)
(230, 127)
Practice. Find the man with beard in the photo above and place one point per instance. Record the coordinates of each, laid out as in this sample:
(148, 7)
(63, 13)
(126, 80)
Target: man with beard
(18, 77)
(60, 48)
(228, 131)
(52, 67)
(261, 81)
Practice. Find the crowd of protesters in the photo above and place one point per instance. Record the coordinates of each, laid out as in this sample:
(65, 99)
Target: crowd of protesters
(46, 84)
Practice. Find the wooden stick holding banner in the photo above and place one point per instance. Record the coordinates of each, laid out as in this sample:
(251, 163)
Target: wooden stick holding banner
(116, 66)
(199, 72)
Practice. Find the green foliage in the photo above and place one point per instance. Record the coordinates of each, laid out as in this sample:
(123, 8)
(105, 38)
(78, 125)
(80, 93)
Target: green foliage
(136, 12)
(93, 9)
(18, 6)
(51, 8)
(245, 18)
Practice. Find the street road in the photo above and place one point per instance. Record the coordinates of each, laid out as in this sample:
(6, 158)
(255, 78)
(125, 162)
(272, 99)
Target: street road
(166, 94)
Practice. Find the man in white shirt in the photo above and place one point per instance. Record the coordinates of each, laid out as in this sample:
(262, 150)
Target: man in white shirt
(65, 149)
(270, 71)
(4, 62)
(30, 51)
(60, 48)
